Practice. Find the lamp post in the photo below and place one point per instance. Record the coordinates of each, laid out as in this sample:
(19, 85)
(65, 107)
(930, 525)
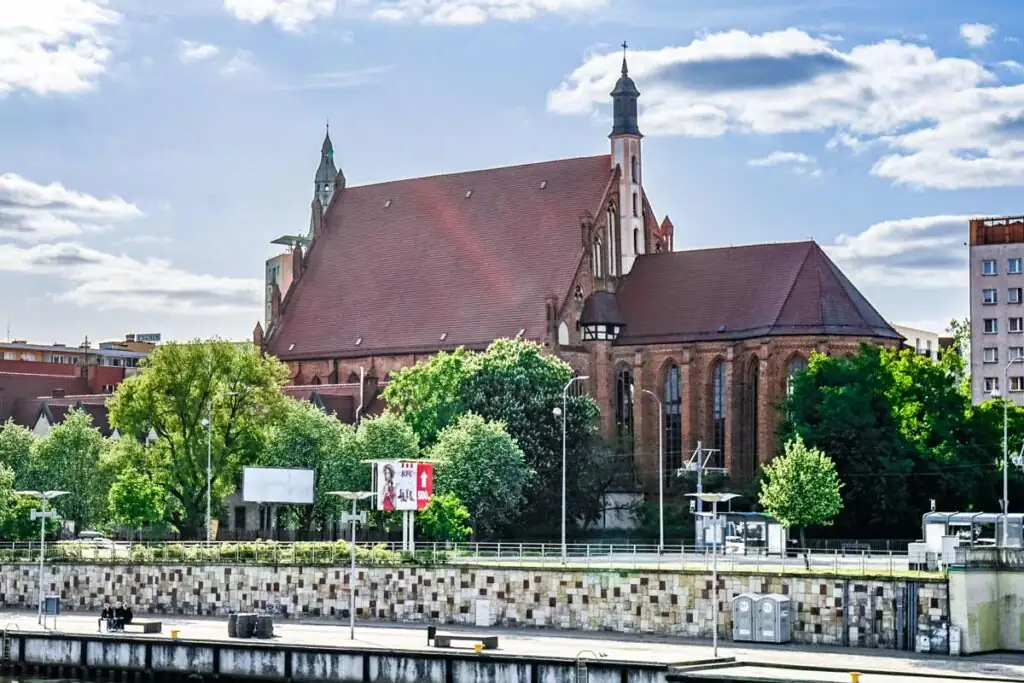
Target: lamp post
(42, 515)
(354, 518)
(208, 423)
(714, 499)
(561, 412)
(661, 471)
(1006, 448)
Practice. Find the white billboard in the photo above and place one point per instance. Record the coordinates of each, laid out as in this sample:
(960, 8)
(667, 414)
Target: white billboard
(286, 485)
(404, 485)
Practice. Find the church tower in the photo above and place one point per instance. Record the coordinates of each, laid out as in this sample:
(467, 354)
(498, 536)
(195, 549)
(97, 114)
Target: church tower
(625, 137)
(326, 173)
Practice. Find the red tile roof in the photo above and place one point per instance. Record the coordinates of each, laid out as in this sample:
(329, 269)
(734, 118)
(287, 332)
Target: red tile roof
(742, 292)
(16, 387)
(417, 265)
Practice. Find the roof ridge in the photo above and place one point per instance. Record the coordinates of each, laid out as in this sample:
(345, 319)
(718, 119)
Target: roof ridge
(750, 245)
(792, 284)
(477, 171)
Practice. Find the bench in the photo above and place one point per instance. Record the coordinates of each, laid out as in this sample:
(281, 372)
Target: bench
(146, 626)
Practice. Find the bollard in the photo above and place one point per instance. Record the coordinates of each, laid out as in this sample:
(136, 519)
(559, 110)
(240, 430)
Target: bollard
(174, 633)
(854, 677)
(478, 647)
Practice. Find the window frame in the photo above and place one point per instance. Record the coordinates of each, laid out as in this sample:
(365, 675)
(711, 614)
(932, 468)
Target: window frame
(984, 267)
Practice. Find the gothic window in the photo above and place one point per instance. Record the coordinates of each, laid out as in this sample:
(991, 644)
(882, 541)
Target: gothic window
(673, 420)
(657, 247)
(636, 205)
(797, 364)
(563, 334)
(577, 389)
(353, 378)
(636, 240)
(316, 380)
(578, 293)
(624, 405)
(634, 170)
(613, 241)
(750, 415)
(597, 259)
(718, 410)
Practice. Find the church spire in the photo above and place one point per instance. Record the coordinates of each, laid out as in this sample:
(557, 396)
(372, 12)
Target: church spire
(326, 173)
(624, 100)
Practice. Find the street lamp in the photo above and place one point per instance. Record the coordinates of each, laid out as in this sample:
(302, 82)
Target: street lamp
(42, 516)
(1006, 448)
(661, 471)
(354, 518)
(208, 423)
(561, 412)
(714, 499)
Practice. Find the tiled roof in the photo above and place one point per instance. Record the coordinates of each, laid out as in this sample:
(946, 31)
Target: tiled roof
(439, 262)
(742, 292)
(16, 387)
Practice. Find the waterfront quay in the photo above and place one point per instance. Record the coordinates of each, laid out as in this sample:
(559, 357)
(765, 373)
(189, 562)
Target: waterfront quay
(321, 650)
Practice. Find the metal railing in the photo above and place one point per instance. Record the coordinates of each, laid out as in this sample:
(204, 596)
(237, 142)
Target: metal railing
(578, 556)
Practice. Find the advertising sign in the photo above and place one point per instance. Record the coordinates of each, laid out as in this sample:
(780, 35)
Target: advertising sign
(278, 485)
(404, 485)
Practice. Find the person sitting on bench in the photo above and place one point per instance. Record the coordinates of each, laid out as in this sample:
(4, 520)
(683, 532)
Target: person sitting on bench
(118, 617)
(128, 615)
(106, 617)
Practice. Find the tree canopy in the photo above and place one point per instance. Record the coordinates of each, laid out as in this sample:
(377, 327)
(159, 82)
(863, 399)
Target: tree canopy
(801, 488)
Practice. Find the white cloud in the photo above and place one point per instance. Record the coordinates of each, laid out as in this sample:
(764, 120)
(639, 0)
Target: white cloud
(798, 162)
(938, 122)
(923, 253)
(288, 15)
(338, 79)
(53, 46)
(104, 281)
(189, 52)
(239, 65)
(30, 212)
(1012, 65)
(470, 12)
(977, 35)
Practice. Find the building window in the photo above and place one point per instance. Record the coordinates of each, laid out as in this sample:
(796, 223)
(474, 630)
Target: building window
(239, 518)
(11, 355)
(636, 205)
(597, 259)
(797, 364)
(634, 170)
(1017, 384)
(1013, 266)
(988, 267)
(718, 412)
(917, 345)
(750, 415)
(988, 297)
(991, 354)
(107, 389)
(1016, 325)
(563, 334)
(928, 348)
(613, 235)
(991, 384)
(636, 240)
(1015, 353)
(991, 325)
(673, 420)
(624, 405)
(577, 389)
(1013, 295)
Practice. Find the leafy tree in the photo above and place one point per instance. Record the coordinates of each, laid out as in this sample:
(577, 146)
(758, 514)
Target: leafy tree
(801, 488)
(16, 444)
(516, 383)
(386, 437)
(428, 394)
(305, 436)
(480, 463)
(18, 525)
(181, 385)
(135, 500)
(69, 459)
(445, 519)
(954, 360)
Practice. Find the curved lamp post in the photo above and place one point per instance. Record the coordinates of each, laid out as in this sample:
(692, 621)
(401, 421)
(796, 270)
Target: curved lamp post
(354, 518)
(43, 515)
(561, 412)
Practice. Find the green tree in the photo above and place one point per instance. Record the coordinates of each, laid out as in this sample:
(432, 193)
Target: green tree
(305, 436)
(480, 463)
(954, 359)
(180, 387)
(428, 394)
(801, 488)
(18, 525)
(445, 519)
(135, 500)
(16, 444)
(69, 459)
(386, 437)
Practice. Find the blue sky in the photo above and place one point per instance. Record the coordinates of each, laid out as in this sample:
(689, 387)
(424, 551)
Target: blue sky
(149, 151)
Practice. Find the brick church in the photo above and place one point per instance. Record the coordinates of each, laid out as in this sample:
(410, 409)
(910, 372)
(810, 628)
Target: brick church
(568, 253)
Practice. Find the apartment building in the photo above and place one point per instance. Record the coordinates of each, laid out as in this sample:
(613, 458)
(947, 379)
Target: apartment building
(997, 308)
(924, 342)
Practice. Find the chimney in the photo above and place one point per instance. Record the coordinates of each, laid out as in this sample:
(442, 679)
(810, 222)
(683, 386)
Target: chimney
(60, 392)
(275, 303)
(257, 336)
(296, 263)
(318, 217)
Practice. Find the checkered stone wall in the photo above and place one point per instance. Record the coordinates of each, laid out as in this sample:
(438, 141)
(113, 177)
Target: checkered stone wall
(859, 612)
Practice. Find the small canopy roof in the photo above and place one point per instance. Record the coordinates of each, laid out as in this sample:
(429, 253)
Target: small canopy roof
(969, 518)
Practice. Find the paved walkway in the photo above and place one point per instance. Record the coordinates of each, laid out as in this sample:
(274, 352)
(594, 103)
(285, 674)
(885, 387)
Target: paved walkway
(567, 644)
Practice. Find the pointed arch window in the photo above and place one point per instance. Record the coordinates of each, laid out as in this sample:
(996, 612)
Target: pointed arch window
(634, 170)
(613, 241)
(718, 410)
(353, 378)
(624, 405)
(797, 365)
(598, 264)
(636, 205)
(673, 419)
(636, 240)
(563, 334)
(751, 418)
(316, 380)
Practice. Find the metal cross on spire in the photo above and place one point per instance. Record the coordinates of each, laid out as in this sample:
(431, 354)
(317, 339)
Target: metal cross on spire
(625, 69)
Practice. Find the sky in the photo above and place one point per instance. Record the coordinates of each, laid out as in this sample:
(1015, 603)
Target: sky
(150, 151)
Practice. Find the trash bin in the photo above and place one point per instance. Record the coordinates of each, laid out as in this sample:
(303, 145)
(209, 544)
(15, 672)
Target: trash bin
(264, 627)
(245, 625)
(772, 620)
(233, 625)
(743, 608)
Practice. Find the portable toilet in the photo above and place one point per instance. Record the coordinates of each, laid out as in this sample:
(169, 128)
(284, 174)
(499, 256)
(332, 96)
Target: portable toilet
(772, 624)
(743, 607)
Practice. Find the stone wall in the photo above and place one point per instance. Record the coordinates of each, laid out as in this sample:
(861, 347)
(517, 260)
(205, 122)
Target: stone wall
(858, 612)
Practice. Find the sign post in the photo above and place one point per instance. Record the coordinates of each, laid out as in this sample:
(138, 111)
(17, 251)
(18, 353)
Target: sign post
(407, 486)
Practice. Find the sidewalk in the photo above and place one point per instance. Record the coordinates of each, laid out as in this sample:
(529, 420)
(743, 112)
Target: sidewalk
(568, 644)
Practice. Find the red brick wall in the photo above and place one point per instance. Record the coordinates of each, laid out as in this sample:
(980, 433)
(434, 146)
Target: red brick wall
(36, 368)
